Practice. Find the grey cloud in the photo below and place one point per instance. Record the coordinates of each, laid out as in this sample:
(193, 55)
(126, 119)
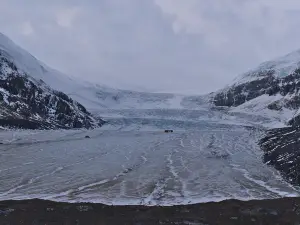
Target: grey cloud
(162, 45)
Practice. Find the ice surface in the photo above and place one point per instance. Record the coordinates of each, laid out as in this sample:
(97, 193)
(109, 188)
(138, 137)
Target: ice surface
(132, 161)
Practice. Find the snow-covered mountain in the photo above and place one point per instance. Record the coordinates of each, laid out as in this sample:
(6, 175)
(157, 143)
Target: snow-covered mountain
(272, 89)
(31, 93)
(94, 97)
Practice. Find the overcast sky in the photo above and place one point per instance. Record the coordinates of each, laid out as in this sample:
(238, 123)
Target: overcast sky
(191, 46)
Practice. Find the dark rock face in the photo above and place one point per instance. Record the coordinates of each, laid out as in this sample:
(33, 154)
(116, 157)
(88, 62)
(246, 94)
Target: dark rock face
(239, 94)
(282, 150)
(30, 104)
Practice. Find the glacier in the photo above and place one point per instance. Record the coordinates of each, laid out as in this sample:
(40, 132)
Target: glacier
(131, 161)
(212, 155)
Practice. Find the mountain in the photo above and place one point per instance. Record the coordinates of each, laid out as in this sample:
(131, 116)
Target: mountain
(31, 93)
(271, 89)
(92, 97)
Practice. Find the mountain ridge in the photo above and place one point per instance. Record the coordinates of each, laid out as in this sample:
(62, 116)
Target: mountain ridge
(274, 85)
(271, 89)
(27, 101)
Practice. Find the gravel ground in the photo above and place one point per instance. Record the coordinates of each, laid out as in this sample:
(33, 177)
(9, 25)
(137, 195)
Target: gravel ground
(41, 212)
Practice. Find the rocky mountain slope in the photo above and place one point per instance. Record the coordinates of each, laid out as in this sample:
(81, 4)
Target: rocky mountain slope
(282, 150)
(27, 101)
(272, 88)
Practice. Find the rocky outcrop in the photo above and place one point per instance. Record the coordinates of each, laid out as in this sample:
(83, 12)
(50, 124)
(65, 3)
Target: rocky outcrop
(31, 104)
(282, 150)
(241, 93)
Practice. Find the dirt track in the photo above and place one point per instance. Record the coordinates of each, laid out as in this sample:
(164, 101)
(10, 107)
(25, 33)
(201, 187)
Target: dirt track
(39, 212)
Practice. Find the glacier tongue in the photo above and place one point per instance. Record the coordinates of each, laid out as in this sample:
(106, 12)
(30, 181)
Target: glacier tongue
(199, 162)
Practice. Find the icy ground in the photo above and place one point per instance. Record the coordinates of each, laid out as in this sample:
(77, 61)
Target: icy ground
(132, 161)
